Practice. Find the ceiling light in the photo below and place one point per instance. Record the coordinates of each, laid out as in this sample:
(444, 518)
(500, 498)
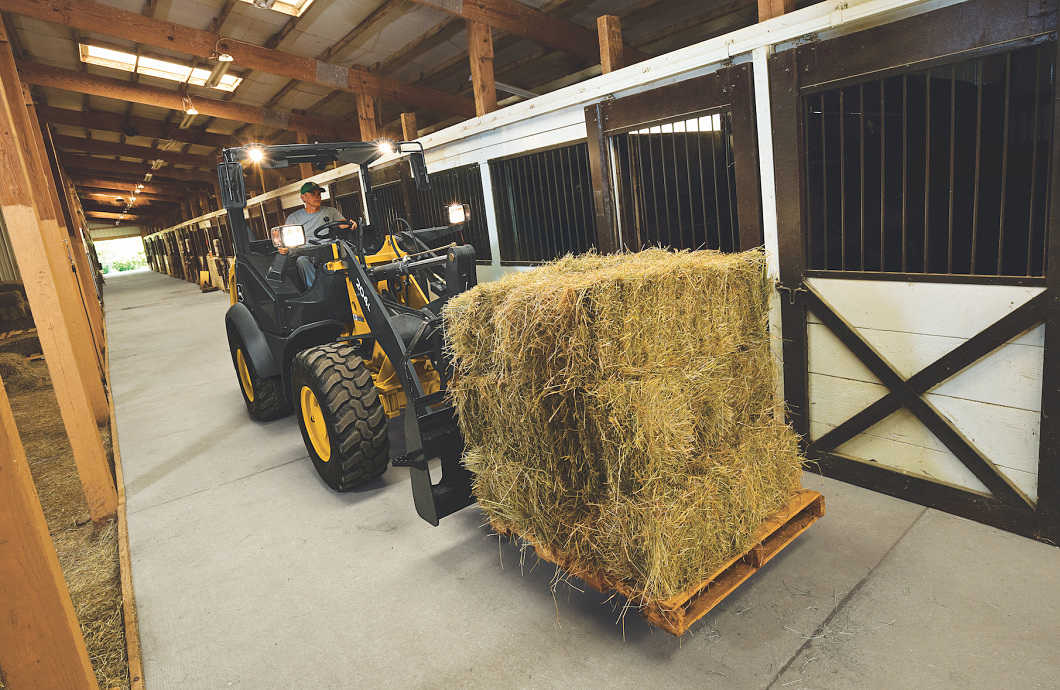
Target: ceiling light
(386, 148)
(256, 154)
(190, 110)
(225, 57)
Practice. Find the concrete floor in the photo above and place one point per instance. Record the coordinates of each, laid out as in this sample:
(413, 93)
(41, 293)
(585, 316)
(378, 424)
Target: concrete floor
(250, 573)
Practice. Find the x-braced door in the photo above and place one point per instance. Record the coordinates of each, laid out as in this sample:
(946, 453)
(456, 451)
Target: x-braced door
(919, 263)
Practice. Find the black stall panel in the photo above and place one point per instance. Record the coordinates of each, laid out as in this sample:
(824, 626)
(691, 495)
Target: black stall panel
(544, 204)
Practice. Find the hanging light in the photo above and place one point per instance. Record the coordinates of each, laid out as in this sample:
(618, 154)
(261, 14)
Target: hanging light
(256, 154)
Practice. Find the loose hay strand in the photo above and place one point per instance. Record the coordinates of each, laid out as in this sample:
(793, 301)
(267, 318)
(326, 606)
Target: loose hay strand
(619, 409)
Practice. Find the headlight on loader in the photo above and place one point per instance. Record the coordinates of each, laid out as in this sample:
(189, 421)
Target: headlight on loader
(288, 236)
(458, 213)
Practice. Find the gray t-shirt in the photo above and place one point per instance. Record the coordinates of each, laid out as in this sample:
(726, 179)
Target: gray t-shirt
(311, 221)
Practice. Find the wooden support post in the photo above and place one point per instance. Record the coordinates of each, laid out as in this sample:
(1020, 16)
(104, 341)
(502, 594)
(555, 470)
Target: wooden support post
(409, 131)
(41, 195)
(767, 9)
(480, 52)
(65, 209)
(304, 169)
(367, 118)
(609, 33)
(54, 310)
(40, 640)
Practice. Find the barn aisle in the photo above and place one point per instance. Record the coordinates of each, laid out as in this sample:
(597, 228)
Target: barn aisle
(250, 573)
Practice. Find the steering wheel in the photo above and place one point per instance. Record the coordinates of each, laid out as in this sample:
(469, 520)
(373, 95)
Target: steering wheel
(329, 231)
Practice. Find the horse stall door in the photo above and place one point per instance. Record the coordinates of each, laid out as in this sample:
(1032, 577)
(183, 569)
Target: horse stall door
(917, 160)
(677, 166)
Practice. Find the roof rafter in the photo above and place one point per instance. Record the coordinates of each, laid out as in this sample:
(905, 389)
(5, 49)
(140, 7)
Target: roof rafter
(66, 143)
(105, 19)
(131, 126)
(522, 20)
(68, 80)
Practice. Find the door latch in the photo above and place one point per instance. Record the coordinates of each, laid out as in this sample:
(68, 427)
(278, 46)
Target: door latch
(792, 293)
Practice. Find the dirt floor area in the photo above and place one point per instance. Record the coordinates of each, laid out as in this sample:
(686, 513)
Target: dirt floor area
(88, 553)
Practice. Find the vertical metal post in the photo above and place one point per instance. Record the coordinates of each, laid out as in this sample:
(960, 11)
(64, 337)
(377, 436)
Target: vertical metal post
(767, 173)
(491, 214)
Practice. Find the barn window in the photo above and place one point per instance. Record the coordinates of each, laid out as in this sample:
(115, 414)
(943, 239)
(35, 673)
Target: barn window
(544, 204)
(942, 170)
(677, 183)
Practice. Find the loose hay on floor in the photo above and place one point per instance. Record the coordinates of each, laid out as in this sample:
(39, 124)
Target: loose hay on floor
(619, 409)
(88, 553)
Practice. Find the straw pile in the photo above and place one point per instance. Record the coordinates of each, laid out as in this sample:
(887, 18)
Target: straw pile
(18, 373)
(88, 553)
(619, 409)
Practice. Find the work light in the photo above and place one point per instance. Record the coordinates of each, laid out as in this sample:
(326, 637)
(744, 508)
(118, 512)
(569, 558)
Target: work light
(458, 213)
(288, 236)
(386, 148)
(256, 154)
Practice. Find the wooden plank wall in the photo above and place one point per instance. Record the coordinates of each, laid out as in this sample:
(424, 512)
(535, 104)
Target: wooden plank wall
(996, 402)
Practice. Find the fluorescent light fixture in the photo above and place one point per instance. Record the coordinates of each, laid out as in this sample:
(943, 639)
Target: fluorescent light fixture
(295, 8)
(155, 67)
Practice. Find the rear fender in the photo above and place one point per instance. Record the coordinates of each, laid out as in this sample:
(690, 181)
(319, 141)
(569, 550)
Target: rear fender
(240, 322)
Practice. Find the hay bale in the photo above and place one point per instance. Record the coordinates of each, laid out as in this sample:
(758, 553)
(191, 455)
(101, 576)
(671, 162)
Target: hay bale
(18, 373)
(620, 409)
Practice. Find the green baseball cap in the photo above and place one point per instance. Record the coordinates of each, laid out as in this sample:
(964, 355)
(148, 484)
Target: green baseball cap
(310, 187)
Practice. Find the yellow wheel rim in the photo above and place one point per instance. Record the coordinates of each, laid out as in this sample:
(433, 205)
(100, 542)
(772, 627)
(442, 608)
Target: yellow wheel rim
(313, 418)
(244, 375)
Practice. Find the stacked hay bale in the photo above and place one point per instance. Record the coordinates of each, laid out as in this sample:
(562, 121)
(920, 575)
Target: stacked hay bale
(619, 409)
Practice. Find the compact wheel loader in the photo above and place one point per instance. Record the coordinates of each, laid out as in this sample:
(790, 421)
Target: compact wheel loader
(360, 345)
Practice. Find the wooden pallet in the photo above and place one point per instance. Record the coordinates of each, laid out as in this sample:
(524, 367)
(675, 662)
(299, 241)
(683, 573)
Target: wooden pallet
(677, 614)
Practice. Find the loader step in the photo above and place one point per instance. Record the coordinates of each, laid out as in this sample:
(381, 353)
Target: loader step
(677, 614)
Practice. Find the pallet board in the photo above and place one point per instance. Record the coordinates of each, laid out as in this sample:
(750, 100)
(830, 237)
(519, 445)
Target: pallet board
(677, 614)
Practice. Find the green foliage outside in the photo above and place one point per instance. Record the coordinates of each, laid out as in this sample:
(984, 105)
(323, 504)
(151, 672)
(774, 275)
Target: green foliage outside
(125, 254)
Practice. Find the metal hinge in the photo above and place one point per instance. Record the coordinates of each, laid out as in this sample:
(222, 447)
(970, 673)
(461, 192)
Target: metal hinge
(792, 293)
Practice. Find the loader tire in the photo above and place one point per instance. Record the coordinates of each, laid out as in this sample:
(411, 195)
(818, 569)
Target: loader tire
(340, 415)
(263, 395)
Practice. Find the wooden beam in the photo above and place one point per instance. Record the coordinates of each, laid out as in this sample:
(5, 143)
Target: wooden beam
(132, 126)
(767, 9)
(367, 117)
(67, 208)
(126, 186)
(480, 53)
(86, 340)
(102, 165)
(105, 19)
(217, 23)
(519, 19)
(140, 206)
(46, 276)
(304, 169)
(609, 31)
(372, 22)
(116, 215)
(69, 80)
(104, 195)
(409, 131)
(146, 153)
(40, 639)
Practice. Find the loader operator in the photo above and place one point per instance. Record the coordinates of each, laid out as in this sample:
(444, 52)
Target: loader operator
(313, 216)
